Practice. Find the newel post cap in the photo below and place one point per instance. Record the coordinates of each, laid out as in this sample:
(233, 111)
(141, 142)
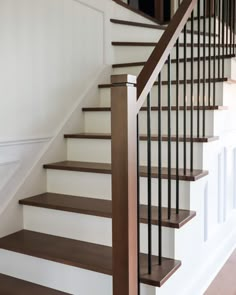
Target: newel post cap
(124, 79)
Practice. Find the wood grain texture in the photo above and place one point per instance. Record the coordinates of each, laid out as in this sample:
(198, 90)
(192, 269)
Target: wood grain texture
(81, 254)
(181, 82)
(165, 108)
(153, 44)
(124, 185)
(173, 61)
(151, 26)
(103, 208)
(106, 136)
(13, 286)
(105, 168)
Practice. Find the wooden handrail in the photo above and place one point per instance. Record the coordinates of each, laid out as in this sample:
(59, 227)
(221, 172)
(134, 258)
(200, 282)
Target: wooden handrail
(155, 63)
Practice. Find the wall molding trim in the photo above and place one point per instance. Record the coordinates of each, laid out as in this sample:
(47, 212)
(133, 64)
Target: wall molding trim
(24, 141)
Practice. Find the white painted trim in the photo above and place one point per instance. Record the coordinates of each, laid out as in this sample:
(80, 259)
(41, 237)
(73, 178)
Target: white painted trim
(24, 141)
(6, 163)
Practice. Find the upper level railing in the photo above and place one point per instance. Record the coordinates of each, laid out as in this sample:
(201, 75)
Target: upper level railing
(185, 66)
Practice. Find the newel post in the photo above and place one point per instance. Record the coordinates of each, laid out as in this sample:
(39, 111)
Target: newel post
(124, 185)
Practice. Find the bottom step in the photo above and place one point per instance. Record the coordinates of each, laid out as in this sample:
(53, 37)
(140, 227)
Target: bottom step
(12, 286)
(82, 255)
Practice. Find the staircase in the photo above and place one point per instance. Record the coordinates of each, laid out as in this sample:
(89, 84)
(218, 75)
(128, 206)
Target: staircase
(183, 125)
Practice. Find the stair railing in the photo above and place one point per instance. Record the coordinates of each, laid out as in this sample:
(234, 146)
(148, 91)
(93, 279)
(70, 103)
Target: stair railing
(205, 30)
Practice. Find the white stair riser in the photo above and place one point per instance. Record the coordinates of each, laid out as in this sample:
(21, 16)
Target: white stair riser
(93, 150)
(81, 227)
(96, 185)
(130, 53)
(96, 122)
(230, 66)
(58, 276)
(133, 34)
(54, 275)
(105, 94)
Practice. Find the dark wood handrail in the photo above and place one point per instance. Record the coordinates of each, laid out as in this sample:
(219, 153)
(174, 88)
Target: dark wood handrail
(156, 61)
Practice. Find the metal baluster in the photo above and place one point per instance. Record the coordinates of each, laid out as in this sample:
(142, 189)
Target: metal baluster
(149, 187)
(159, 171)
(177, 127)
(169, 136)
(223, 38)
(204, 69)
(219, 38)
(209, 54)
(138, 202)
(192, 93)
(214, 60)
(198, 67)
(185, 101)
(233, 27)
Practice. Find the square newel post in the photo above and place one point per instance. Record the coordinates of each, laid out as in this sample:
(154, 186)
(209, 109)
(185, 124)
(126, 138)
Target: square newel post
(124, 185)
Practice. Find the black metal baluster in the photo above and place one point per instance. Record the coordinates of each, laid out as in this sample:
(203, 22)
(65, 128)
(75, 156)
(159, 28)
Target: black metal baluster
(234, 27)
(204, 70)
(214, 59)
(177, 127)
(226, 23)
(192, 93)
(138, 202)
(185, 101)
(231, 25)
(159, 171)
(223, 38)
(219, 38)
(209, 54)
(198, 67)
(149, 186)
(169, 136)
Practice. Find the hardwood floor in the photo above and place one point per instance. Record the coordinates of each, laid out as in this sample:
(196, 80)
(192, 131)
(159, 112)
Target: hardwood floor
(224, 283)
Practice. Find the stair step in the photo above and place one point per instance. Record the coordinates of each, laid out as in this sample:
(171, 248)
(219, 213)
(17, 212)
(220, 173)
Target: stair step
(13, 286)
(181, 60)
(137, 24)
(153, 44)
(106, 136)
(105, 168)
(83, 255)
(103, 208)
(150, 26)
(173, 82)
(164, 108)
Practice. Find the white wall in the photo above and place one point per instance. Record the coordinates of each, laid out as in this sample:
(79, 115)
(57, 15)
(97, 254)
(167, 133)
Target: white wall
(50, 52)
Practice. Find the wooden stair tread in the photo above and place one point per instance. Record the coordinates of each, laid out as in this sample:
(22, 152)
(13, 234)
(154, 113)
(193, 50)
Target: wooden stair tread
(181, 60)
(105, 168)
(164, 108)
(173, 82)
(103, 208)
(153, 44)
(106, 136)
(13, 286)
(84, 255)
(137, 24)
(150, 26)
